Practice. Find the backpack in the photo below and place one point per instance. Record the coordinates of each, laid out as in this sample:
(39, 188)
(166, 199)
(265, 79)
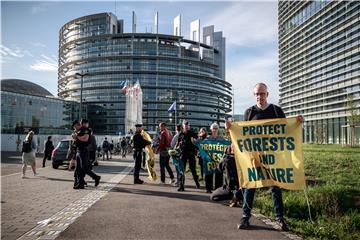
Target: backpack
(26, 147)
(105, 145)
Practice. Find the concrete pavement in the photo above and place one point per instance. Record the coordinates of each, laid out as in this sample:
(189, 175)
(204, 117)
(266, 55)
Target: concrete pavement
(117, 209)
(25, 202)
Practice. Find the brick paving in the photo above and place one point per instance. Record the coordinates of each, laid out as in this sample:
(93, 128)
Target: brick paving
(25, 202)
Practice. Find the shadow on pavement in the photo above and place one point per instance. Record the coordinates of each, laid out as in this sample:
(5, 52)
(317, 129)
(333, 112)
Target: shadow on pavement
(186, 196)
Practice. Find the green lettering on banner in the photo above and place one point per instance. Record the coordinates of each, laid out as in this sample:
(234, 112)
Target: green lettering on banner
(268, 159)
(289, 175)
(280, 174)
(260, 174)
(252, 174)
(290, 143)
(245, 130)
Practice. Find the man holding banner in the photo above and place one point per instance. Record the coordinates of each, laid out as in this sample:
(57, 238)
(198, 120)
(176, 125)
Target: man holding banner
(268, 153)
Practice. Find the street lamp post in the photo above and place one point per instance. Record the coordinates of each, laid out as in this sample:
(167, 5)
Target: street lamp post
(81, 91)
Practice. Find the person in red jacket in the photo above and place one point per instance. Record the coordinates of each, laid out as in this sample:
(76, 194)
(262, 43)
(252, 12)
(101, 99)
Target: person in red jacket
(162, 150)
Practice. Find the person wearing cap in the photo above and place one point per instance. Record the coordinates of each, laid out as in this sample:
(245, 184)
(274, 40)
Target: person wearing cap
(187, 147)
(81, 138)
(139, 143)
(218, 175)
(87, 167)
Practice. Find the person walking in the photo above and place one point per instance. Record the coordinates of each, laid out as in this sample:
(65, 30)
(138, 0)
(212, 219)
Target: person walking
(263, 110)
(139, 145)
(82, 156)
(123, 145)
(91, 143)
(105, 148)
(186, 142)
(162, 150)
(48, 148)
(28, 153)
(175, 153)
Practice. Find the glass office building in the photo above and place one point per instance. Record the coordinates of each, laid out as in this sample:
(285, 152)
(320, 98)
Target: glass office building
(27, 106)
(96, 56)
(319, 58)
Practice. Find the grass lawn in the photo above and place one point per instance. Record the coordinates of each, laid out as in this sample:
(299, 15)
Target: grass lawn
(333, 177)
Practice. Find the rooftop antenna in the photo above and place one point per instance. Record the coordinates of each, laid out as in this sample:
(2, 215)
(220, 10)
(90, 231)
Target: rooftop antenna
(115, 7)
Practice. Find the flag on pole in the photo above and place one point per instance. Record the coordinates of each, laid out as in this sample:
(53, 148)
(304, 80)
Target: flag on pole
(124, 86)
(172, 108)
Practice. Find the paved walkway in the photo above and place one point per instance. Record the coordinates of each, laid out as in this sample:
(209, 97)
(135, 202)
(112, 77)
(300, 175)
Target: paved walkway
(46, 207)
(25, 202)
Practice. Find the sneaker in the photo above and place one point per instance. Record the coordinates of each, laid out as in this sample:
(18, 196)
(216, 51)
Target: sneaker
(181, 189)
(36, 174)
(162, 183)
(244, 223)
(283, 224)
(138, 181)
(23, 176)
(79, 187)
(97, 181)
(172, 181)
(208, 191)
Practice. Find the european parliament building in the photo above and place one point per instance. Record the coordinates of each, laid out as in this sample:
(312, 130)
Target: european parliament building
(96, 56)
(319, 59)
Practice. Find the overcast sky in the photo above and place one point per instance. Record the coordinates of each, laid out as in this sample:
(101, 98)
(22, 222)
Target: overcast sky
(29, 37)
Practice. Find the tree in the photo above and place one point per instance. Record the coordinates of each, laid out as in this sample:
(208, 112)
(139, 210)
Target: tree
(354, 117)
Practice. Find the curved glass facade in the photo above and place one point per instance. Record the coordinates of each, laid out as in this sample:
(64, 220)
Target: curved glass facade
(168, 68)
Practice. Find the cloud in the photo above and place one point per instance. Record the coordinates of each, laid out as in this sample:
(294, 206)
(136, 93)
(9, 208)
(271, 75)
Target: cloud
(38, 44)
(45, 64)
(247, 23)
(246, 72)
(14, 52)
(9, 54)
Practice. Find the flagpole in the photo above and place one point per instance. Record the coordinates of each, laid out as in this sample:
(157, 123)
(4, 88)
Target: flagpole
(175, 114)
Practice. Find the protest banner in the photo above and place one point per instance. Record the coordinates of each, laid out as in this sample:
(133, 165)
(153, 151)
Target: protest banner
(269, 153)
(150, 157)
(211, 152)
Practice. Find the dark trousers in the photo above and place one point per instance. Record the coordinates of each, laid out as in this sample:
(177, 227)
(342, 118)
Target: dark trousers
(143, 159)
(276, 193)
(137, 158)
(209, 181)
(192, 165)
(164, 163)
(47, 155)
(209, 184)
(107, 154)
(83, 167)
(92, 156)
(201, 164)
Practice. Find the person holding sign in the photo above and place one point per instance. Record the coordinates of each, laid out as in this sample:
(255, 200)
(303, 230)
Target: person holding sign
(218, 175)
(263, 110)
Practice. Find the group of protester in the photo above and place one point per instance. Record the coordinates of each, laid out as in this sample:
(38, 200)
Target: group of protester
(183, 150)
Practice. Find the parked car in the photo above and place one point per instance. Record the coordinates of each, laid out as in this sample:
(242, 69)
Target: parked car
(58, 155)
